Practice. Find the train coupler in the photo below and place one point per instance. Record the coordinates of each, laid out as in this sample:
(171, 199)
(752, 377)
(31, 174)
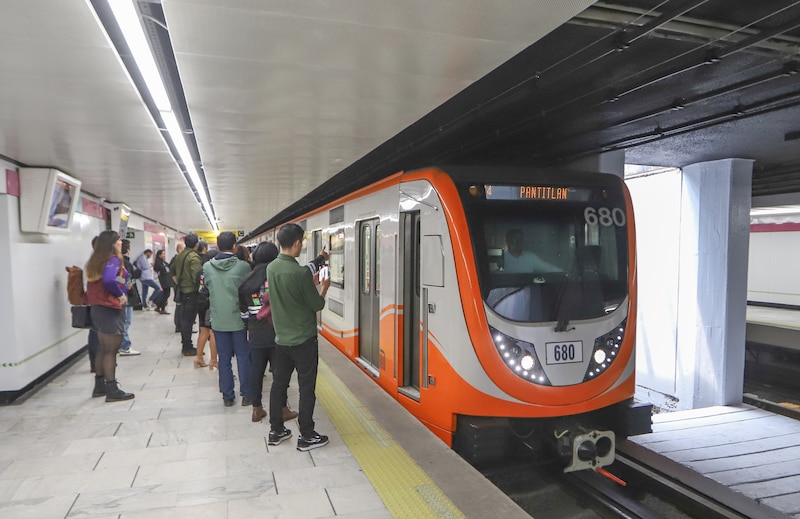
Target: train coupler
(588, 450)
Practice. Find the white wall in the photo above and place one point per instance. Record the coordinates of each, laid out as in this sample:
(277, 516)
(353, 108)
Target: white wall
(657, 208)
(774, 276)
(34, 311)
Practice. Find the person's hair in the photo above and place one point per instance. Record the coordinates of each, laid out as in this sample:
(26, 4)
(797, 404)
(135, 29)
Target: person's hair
(202, 246)
(103, 251)
(179, 247)
(148, 250)
(159, 253)
(94, 240)
(289, 234)
(265, 253)
(191, 240)
(243, 253)
(226, 241)
(126, 246)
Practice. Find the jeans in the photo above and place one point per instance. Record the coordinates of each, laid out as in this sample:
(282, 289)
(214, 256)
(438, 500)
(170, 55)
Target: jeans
(188, 313)
(228, 345)
(126, 340)
(146, 285)
(305, 359)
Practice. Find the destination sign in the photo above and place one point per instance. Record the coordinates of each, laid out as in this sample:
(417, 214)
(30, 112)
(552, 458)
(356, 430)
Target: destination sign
(533, 192)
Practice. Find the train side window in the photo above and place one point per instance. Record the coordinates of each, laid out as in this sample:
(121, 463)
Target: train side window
(366, 245)
(377, 258)
(336, 257)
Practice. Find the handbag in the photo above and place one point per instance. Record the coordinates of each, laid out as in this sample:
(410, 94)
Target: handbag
(81, 317)
(134, 299)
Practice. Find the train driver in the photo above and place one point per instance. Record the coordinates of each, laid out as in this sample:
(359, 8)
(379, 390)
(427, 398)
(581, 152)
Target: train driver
(518, 260)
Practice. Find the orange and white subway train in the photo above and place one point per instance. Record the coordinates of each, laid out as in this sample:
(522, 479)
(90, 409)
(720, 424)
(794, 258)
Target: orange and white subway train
(497, 306)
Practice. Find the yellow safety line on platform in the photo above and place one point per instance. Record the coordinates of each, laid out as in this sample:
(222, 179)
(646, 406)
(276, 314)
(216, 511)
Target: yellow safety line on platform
(404, 487)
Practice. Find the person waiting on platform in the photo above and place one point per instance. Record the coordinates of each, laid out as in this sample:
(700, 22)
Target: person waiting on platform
(222, 276)
(186, 266)
(176, 318)
(294, 302)
(105, 294)
(161, 269)
(205, 333)
(517, 259)
(148, 279)
(130, 287)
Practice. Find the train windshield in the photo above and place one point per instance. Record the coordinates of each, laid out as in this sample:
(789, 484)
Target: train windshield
(559, 254)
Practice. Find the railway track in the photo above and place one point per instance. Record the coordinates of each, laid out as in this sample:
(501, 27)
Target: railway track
(545, 492)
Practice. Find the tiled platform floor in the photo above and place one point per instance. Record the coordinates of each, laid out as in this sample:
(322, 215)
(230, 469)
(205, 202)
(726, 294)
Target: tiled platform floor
(174, 451)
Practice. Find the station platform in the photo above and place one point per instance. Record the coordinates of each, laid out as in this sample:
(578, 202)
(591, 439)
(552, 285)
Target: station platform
(175, 451)
(773, 326)
(744, 457)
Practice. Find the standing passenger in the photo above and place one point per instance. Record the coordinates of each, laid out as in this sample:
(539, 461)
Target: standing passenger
(254, 299)
(125, 347)
(177, 297)
(105, 293)
(223, 275)
(186, 267)
(205, 333)
(164, 279)
(294, 302)
(148, 280)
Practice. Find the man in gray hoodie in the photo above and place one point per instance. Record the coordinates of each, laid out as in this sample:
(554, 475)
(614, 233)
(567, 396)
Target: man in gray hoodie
(222, 276)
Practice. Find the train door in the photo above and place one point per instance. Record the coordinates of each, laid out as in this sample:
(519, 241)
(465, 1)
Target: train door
(369, 286)
(316, 248)
(410, 271)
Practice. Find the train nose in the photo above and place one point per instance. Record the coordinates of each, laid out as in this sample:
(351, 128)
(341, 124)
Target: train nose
(591, 450)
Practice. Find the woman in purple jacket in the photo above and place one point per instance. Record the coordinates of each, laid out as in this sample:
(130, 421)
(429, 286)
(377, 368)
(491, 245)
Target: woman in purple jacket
(105, 293)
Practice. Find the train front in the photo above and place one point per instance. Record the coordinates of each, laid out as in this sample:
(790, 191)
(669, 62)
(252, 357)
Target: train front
(555, 263)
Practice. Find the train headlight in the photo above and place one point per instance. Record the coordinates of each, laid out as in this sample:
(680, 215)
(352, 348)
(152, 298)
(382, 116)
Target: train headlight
(606, 350)
(527, 362)
(520, 357)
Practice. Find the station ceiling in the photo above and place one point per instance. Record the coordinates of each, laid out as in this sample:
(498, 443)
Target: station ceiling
(293, 103)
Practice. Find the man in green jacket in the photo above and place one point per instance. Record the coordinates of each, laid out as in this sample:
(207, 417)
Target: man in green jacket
(222, 276)
(186, 267)
(294, 302)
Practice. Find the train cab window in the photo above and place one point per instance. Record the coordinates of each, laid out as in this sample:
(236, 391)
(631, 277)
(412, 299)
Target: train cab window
(336, 258)
(543, 261)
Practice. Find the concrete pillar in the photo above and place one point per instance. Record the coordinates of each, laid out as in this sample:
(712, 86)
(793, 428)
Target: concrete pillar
(611, 162)
(712, 283)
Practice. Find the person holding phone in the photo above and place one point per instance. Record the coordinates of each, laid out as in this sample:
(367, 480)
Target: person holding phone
(294, 302)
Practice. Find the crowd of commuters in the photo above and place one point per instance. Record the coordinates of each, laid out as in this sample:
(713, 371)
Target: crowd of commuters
(259, 310)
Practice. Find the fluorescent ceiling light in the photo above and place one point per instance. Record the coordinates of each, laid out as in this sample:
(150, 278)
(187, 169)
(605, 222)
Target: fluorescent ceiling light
(179, 140)
(128, 20)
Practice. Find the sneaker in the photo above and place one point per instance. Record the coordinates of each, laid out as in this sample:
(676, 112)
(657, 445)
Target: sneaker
(189, 352)
(128, 353)
(277, 437)
(316, 440)
(246, 401)
(229, 403)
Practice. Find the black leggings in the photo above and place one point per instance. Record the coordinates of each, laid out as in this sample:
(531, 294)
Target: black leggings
(259, 358)
(105, 360)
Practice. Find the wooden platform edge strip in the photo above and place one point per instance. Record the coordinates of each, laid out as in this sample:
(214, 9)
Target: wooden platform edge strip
(404, 487)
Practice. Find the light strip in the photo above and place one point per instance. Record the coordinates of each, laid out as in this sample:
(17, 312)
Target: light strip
(178, 139)
(128, 20)
(127, 17)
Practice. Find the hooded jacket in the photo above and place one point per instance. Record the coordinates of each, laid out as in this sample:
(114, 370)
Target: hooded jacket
(223, 275)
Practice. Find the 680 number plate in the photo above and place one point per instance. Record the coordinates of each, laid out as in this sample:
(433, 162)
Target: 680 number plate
(564, 352)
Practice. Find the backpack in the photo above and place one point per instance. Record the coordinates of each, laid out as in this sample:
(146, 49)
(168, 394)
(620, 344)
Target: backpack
(75, 293)
(137, 273)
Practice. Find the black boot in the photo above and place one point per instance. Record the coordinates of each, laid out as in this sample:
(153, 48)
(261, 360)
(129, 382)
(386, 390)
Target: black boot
(114, 393)
(99, 387)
